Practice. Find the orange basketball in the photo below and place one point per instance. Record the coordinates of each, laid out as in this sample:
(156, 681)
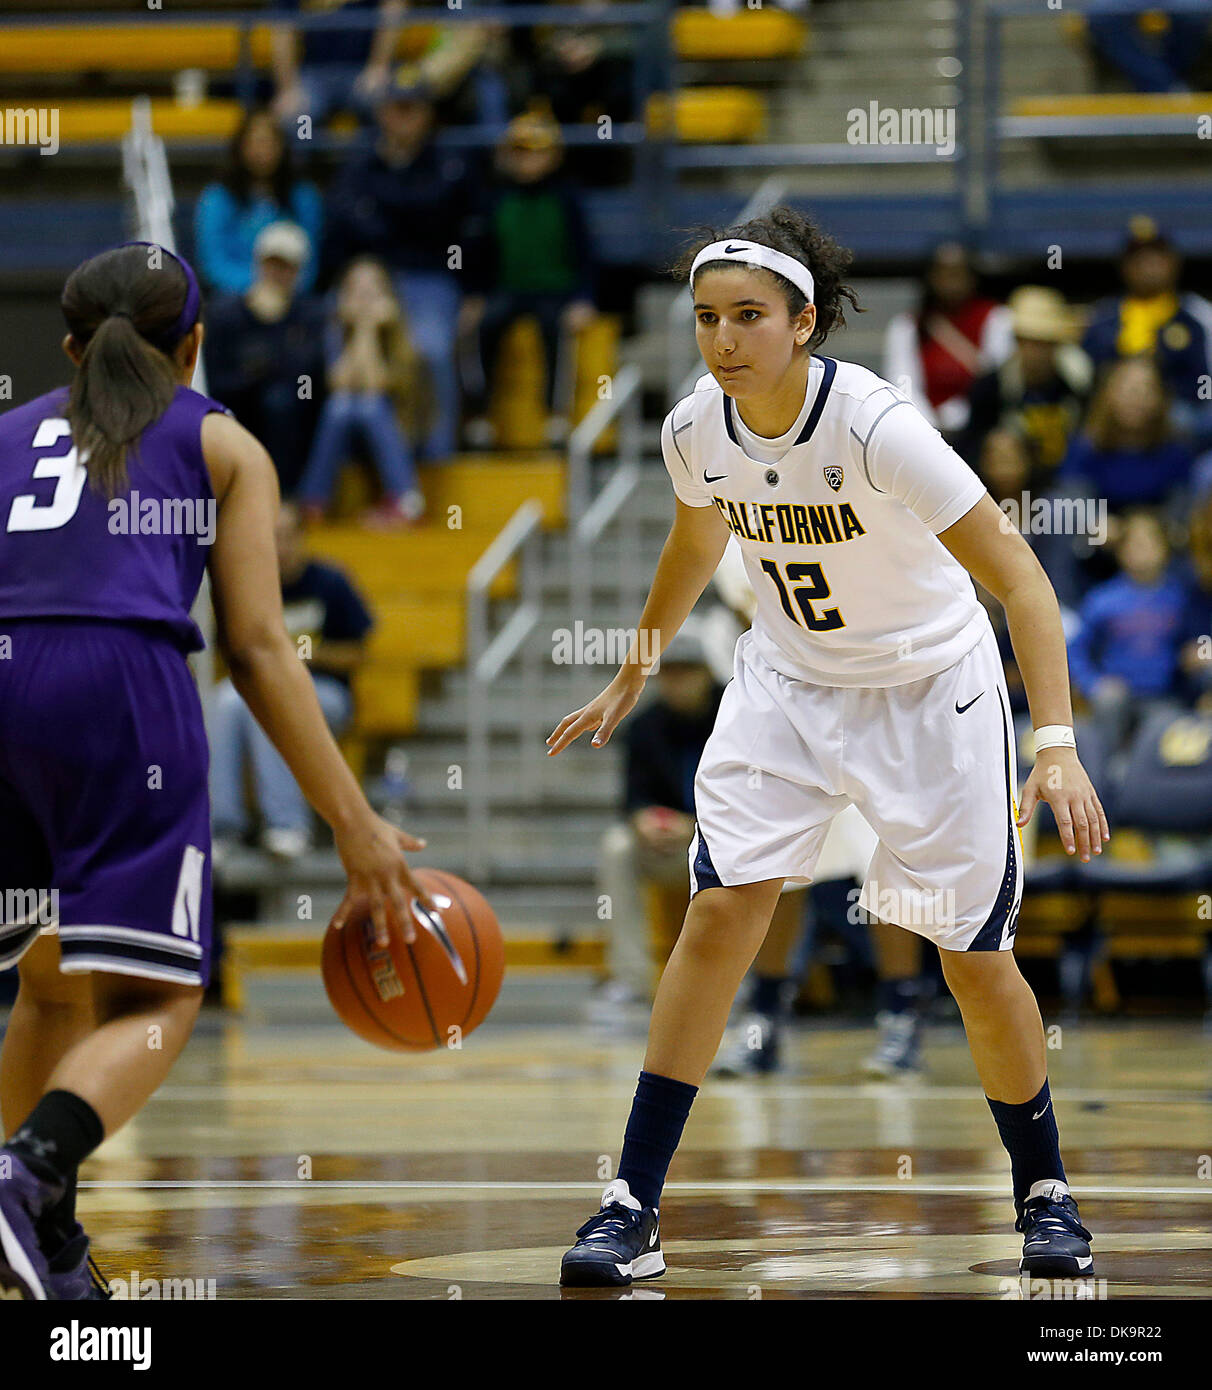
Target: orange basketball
(427, 994)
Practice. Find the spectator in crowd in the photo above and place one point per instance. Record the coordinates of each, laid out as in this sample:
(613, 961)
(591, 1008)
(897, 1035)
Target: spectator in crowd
(257, 187)
(1126, 451)
(664, 744)
(1039, 391)
(332, 68)
(529, 256)
(956, 335)
(1153, 317)
(406, 202)
(378, 394)
(584, 76)
(330, 624)
(1124, 657)
(1155, 47)
(264, 350)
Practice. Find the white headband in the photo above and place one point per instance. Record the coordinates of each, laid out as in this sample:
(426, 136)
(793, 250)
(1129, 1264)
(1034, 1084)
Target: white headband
(765, 257)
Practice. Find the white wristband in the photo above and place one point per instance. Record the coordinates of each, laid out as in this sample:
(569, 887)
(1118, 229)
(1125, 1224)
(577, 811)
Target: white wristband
(1054, 736)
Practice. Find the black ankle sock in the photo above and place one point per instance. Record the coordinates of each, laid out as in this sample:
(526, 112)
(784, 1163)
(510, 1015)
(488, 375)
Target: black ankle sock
(658, 1115)
(1029, 1134)
(60, 1133)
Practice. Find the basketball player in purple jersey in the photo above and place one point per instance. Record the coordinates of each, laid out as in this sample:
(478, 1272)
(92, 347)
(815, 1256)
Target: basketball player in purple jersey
(115, 495)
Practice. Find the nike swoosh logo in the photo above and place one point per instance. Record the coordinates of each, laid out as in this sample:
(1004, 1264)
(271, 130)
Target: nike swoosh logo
(959, 709)
(732, 249)
(714, 479)
(1044, 1111)
(652, 1240)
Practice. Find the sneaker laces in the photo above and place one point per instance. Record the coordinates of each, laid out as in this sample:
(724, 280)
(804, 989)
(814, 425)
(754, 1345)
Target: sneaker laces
(1052, 1218)
(610, 1221)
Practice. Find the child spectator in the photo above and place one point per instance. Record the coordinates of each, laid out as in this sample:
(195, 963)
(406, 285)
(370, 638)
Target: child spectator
(257, 187)
(323, 610)
(1126, 452)
(377, 393)
(529, 256)
(1125, 655)
(265, 351)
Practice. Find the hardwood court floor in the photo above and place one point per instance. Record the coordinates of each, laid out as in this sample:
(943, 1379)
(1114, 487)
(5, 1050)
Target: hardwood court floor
(294, 1161)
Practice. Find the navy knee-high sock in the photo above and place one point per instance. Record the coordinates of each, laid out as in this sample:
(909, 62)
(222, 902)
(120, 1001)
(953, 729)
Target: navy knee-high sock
(1029, 1133)
(658, 1116)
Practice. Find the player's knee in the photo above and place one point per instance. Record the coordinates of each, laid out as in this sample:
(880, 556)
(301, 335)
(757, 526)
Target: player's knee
(119, 996)
(720, 927)
(973, 976)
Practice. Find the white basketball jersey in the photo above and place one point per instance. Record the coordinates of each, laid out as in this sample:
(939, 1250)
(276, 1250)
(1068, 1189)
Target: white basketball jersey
(838, 523)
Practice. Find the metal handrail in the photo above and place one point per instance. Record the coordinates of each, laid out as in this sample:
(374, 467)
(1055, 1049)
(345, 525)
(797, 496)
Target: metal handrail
(486, 659)
(624, 404)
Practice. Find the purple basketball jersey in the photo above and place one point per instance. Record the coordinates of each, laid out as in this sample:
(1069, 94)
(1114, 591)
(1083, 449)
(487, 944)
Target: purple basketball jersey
(68, 551)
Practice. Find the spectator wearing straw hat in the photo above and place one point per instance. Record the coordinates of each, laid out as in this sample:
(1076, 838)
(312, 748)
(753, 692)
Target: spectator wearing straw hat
(1039, 392)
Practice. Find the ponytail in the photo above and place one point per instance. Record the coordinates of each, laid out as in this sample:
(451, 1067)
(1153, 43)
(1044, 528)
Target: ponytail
(122, 385)
(128, 310)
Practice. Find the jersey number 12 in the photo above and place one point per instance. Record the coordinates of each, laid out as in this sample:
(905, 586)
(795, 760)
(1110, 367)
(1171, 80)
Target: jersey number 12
(804, 594)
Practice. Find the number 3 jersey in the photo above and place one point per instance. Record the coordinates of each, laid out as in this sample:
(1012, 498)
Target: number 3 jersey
(837, 521)
(66, 550)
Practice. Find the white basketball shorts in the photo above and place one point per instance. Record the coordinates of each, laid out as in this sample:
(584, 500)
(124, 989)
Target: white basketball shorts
(930, 765)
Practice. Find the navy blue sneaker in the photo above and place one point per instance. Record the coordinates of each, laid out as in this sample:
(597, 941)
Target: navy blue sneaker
(1054, 1239)
(621, 1243)
(23, 1196)
(72, 1275)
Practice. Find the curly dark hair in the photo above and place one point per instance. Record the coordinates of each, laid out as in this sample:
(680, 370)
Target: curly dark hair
(786, 230)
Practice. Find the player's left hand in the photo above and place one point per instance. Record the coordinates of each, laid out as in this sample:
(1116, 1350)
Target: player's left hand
(1059, 779)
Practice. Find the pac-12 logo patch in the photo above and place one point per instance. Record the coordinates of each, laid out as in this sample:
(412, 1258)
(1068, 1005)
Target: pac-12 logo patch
(834, 475)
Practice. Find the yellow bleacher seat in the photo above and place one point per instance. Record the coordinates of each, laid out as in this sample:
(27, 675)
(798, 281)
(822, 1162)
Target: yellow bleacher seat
(767, 33)
(149, 47)
(427, 559)
(1116, 104)
(709, 115)
(108, 120)
(386, 700)
(518, 410)
(487, 491)
(422, 632)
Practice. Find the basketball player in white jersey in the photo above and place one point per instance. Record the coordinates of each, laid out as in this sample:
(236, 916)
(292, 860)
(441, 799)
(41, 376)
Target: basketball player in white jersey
(870, 677)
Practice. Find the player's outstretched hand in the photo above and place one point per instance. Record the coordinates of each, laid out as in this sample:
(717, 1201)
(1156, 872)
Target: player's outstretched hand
(1060, 780)
(380, 881)
(604, 714)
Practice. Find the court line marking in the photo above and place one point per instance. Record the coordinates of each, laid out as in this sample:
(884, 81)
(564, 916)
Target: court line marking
(857, 1185)
(723, 1090)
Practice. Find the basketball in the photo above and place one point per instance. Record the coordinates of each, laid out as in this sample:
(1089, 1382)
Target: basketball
(427, 994)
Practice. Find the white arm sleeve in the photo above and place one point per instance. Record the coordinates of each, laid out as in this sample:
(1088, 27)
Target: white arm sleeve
(675, 450)
(905, 456)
